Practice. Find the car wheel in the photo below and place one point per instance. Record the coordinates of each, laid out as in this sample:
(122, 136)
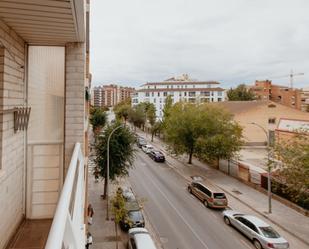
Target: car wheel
(257, 244)
(227, 221)
(206, 203)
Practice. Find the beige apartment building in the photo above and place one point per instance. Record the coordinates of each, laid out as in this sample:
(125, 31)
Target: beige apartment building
(110, 95)
(43, 66)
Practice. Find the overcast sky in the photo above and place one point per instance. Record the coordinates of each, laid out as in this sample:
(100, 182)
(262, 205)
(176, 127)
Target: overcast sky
(230, 41)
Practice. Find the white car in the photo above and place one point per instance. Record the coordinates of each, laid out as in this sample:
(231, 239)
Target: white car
(260, 233)
(139, 238)
(147, 148)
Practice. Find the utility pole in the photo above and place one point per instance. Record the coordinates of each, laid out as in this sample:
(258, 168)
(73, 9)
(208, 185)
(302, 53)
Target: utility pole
(268, 166)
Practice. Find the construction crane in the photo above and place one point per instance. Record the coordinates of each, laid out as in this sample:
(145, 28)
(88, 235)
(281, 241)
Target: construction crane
(291, 75)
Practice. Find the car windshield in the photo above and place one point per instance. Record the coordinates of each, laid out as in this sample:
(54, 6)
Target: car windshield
(269, 232)
(219, 195)
(135, 215)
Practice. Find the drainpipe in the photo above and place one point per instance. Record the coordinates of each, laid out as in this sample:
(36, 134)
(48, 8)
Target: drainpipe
(25, 189)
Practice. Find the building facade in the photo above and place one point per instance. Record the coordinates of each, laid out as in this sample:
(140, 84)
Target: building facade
(267, 115)
(180, 89)
(43, 68)
(110, 95)
(294, 98)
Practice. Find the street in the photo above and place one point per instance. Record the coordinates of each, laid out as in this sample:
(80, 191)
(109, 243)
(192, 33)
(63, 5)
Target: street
(180, 220)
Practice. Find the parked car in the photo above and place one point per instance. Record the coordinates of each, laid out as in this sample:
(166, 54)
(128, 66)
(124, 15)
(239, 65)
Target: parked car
(260, 233)
(209, 194)
(128, 195)
(134, 218)
(139, 238)
(147, 148)
(141, 142)
(157, 156)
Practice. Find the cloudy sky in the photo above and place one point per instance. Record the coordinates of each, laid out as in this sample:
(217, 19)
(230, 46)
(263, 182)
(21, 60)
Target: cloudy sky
(231, 41)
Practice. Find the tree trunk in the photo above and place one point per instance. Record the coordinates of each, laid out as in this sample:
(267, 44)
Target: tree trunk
(105, 187)
(152, 133)
(217, 163)
(190, 157)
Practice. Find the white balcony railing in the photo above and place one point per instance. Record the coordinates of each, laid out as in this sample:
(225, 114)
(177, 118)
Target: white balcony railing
(68, 227)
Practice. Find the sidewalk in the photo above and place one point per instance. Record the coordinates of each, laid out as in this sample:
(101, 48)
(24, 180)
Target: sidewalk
(103, 231)
(284, 217)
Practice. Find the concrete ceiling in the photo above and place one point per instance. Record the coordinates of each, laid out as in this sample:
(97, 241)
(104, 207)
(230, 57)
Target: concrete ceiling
(45, 22)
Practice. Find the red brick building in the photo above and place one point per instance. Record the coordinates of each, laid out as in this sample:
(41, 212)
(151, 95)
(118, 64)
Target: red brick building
(294, 98)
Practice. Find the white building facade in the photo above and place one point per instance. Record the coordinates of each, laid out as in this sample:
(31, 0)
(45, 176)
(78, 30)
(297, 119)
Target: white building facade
(180, 89)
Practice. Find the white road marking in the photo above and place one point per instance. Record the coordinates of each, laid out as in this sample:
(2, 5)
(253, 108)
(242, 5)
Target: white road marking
(179, 214)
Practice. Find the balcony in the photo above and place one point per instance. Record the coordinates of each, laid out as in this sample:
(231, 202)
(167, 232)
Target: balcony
(67, 229)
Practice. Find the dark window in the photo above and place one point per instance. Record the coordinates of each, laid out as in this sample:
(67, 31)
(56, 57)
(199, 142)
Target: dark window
(204, 190)
(147, 94)
(185, 94)
(219, 196)
(191, 94)
(219, 99)
(272, 120)
(165, 94)
(251, 226)
(158, 94)
(152, 94)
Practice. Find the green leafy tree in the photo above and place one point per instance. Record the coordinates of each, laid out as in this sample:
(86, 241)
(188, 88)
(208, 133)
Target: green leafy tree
(200, 129)
(121, 151)
(293, 153)
(119, 210)
(97, 119)
(137, 116)
(122, 112)
(156, 128)
(167, 107)
(240, 93)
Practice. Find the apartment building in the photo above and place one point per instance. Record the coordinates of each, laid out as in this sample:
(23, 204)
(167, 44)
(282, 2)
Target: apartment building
(44, 58)
(294, 98)
(180, 89)
(110, 95)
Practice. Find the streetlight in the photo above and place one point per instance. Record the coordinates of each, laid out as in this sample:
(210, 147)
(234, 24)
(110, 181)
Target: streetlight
(107, 169)
(268, 168)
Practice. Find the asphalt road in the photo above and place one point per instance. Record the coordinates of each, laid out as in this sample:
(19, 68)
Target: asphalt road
(179, 219)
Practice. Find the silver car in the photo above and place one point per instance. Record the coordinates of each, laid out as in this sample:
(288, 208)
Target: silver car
(260, 233)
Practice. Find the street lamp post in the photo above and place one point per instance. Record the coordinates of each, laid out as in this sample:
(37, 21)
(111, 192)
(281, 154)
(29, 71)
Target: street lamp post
(107, 171)
(268, 166)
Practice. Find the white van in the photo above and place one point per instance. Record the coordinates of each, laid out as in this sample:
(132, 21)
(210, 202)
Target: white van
(139, 238)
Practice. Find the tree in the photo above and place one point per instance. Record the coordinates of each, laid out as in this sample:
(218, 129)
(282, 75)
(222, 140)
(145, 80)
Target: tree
(97, 119)
(121, 152)
(122, 112)
(119, 210)
(155, 128)
(240, 93)
(123, 109)
(137, 116)
(167, 107)
(204, 130)
(293, 168)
